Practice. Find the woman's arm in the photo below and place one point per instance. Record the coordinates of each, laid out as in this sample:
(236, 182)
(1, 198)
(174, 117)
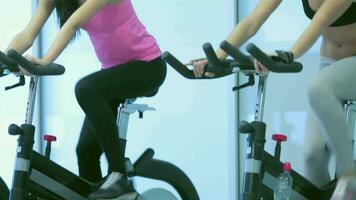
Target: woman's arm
(329, 11)
(251, 24)
(24, 40)
(78, 18)
(242, 32)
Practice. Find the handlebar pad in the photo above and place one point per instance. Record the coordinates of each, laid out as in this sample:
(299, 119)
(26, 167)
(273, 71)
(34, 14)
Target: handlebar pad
(212, 58)
(40, 70)
(279, 67)
(11, 65)
(177, 65)
(216, 65)
(244, 62)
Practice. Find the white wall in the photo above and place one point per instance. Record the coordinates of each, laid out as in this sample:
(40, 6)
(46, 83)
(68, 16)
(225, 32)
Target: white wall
(286, 103)
(194, 124)
(13, 18)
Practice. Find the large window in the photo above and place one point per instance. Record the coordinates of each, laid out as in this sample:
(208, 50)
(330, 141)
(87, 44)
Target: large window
(14, 15)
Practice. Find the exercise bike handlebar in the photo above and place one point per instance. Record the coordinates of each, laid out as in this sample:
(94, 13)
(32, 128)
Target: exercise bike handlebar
(14, 60)
(225, 67)
(7, 63)
(271, 64)
(40, 70)
(220, 67)
(243, 61)
(178, 65)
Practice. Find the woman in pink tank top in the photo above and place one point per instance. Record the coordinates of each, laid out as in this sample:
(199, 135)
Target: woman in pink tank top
(131, 67)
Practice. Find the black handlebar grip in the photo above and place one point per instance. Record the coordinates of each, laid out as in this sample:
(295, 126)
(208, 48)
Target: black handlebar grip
(11, 65)
(48, 70)
(215, 66)
(177, 65)
(40, 70)
(224, 70)
(236, 53)
(280, 67)
(220, 67)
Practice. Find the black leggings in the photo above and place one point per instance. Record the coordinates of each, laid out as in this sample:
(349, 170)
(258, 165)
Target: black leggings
(99, 95)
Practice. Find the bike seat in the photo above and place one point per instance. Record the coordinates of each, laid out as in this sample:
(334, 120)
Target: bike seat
(133, 98)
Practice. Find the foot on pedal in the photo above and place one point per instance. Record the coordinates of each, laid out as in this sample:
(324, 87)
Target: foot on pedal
(114, 187)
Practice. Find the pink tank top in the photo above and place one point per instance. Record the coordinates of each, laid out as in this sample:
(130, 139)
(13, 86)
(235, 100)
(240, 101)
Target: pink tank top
(119, 37)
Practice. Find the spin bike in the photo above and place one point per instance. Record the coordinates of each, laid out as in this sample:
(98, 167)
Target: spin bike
(261, 168)
(37, 177)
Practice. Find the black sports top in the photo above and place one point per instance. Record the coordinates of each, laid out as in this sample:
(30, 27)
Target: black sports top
(349, 17)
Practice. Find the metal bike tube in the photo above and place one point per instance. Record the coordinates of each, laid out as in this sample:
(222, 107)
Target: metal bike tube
(54, 186)
(31, 100)
(260, 102)
(252, 185)
(24, 147)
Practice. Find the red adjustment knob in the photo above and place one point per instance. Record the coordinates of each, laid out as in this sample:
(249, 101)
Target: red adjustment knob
(279, 137)
(49, 138)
